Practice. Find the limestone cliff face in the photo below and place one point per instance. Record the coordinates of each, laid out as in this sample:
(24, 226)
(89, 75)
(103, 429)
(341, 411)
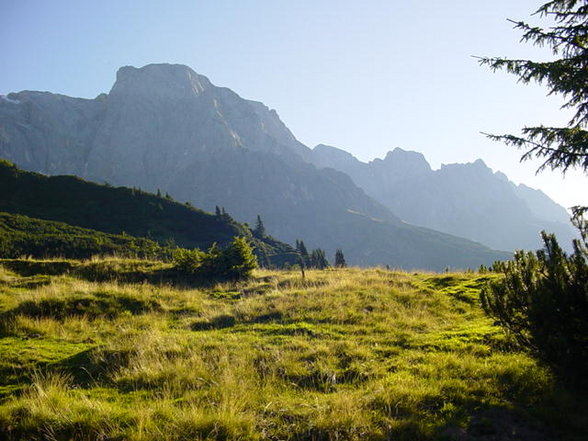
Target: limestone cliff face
(467, 200)
(49, 133)
(166, 127)
(160, 115)
(163, 120)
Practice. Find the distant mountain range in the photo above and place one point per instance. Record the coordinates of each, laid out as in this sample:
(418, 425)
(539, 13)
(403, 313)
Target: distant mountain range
(165, 127)
(468, 200)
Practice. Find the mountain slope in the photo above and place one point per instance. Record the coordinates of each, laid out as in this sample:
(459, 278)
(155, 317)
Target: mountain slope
(468, 200)
(166, 127)
(117, 211)
(25, 236)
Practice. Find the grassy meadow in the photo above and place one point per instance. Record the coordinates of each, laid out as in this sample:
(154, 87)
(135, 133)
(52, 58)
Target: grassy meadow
(343, 354)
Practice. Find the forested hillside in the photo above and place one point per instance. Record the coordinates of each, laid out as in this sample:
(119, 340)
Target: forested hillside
(121, 211)
(24, 236)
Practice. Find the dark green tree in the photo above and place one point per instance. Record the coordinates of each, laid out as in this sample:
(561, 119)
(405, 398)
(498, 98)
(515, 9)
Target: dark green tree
(318, 259)
(543, 299)
(259, 230)
(301, 264)
(340, 259)
(199, 264)
(560, 148)
(303, 252)
(238, 260)
(225, 216)
(211, 266)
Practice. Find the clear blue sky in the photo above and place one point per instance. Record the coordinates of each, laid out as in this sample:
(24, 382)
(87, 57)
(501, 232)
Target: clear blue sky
(365, 76)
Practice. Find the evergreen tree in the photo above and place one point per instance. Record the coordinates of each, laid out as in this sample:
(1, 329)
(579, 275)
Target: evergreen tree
(302, 251)
(543, 298)
(188, 261)
(318, 259)
(238, 260)
(225, 216)
(561, 148)
(259, 230)
(211, 267)
(340, 259)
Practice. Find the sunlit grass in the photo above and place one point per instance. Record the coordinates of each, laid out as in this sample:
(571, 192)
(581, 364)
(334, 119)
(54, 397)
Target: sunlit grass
(339, 355)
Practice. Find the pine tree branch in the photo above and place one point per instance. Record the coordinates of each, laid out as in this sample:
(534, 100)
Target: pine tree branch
(561, 34)
(571, 150)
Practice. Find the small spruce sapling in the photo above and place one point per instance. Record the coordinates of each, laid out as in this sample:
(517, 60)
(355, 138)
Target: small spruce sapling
(340, 259)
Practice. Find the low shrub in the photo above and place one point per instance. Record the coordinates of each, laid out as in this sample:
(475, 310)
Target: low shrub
(236, 262)
(542, 302)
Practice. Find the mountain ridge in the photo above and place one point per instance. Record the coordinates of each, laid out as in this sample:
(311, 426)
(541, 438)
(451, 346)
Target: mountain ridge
(468, 200)
(211, 147)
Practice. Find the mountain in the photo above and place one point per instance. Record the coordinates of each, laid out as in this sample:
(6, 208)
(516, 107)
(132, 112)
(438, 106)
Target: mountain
(78, 206)
(468, 200)
(166, 127)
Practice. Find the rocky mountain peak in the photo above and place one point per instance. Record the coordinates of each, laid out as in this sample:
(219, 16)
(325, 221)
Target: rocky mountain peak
(405, 161)
(476, 169)
(401, 155)
(332, 152)
(170, 81)
(479, 164)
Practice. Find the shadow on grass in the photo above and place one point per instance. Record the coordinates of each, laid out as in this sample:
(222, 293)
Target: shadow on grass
(122, 271)
(551, 412)
(108, 305)
(226, 321)
(92, 366)
(219, 322)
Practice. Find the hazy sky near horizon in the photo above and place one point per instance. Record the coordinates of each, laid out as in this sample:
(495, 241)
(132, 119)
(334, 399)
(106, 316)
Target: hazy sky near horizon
(364, 76)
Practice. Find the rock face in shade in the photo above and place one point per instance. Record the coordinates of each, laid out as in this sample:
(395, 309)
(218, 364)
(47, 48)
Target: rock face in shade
(166, 127)
(467, 200)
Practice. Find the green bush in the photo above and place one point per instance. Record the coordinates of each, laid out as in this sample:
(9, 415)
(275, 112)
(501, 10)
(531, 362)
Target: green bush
(542, 302)
(236, 262)
(187, 261)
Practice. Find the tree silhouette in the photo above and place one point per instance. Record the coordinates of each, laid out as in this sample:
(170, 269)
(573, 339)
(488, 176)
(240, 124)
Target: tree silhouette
(542, 301)
(318, 259)
(340, 259)
(259, 230)
(561, 148)
(303, 252)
